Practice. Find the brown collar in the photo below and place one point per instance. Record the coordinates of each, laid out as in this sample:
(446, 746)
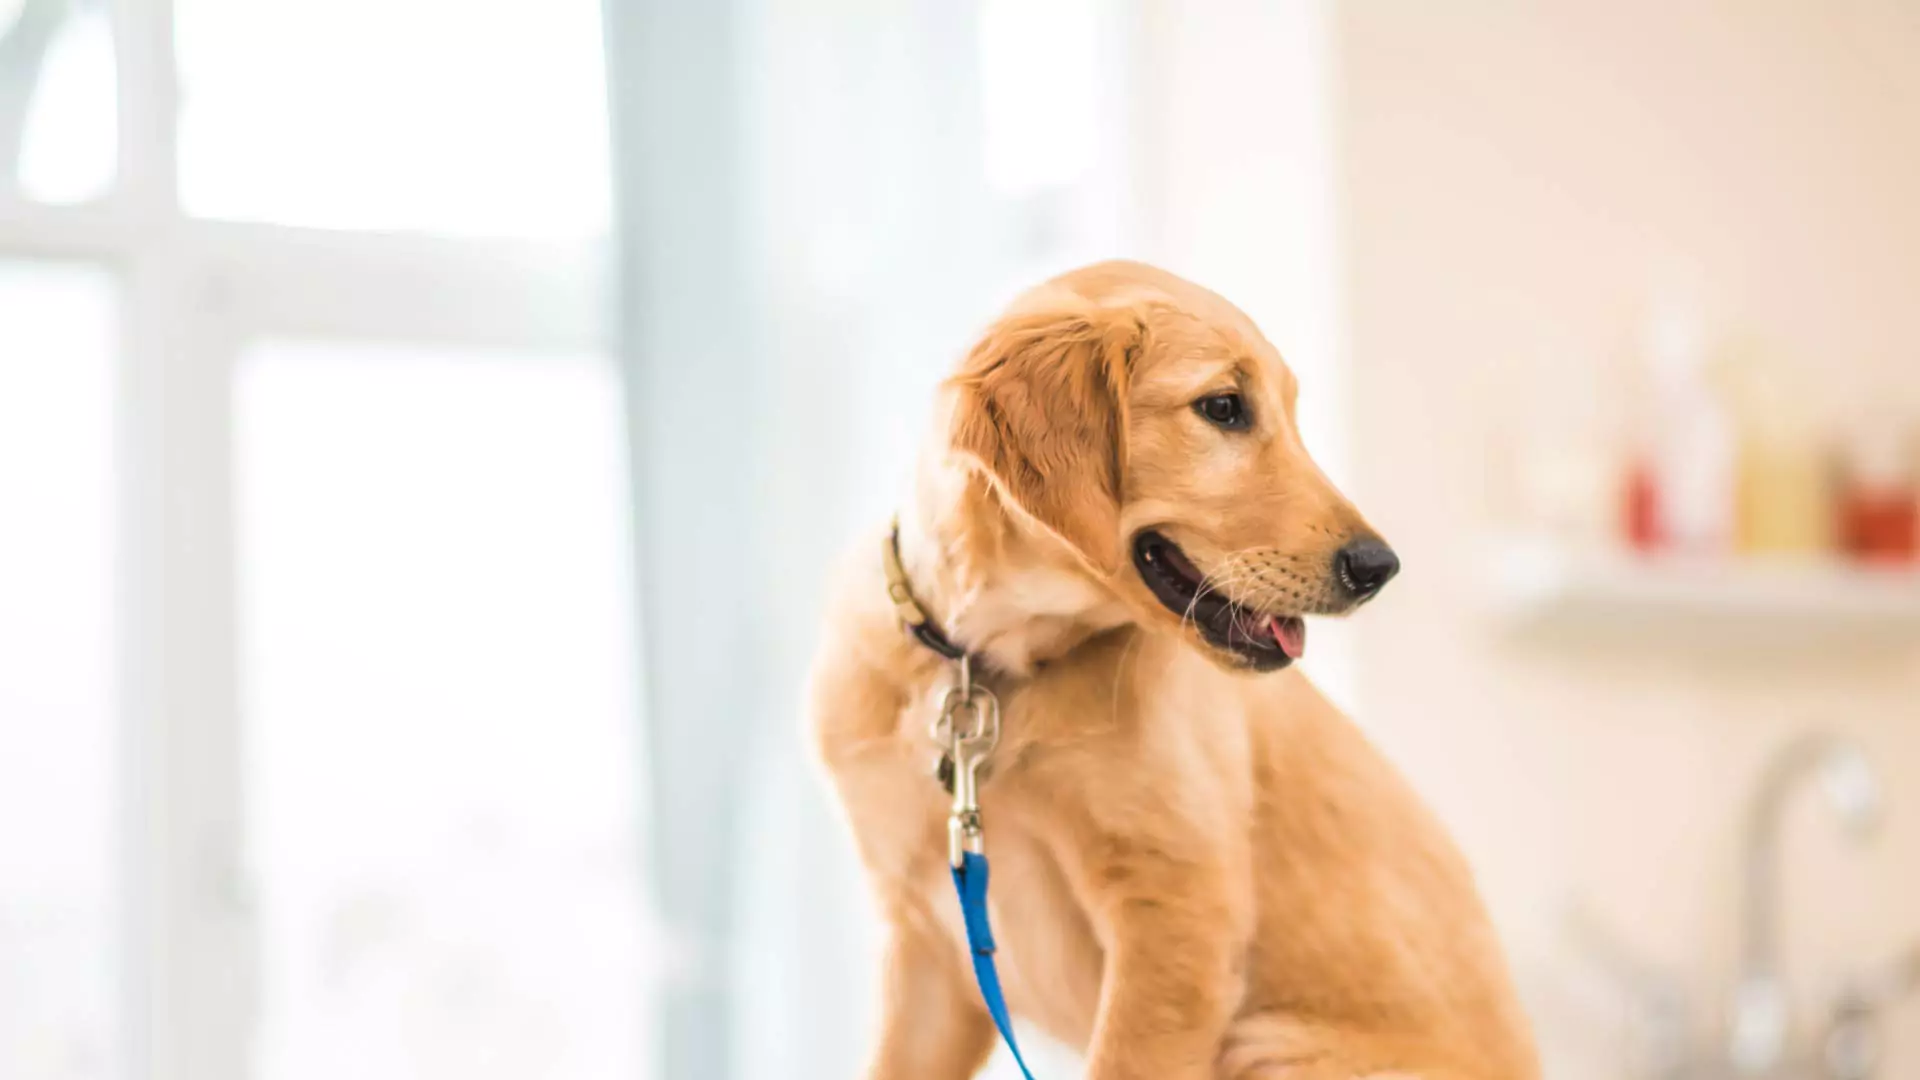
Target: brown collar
(912, 616)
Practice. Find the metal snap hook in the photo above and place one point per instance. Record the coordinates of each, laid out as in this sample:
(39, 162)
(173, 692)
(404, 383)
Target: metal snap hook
(968, 726)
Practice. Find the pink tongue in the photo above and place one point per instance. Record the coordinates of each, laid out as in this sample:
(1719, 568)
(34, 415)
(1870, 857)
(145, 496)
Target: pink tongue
(1290, 633)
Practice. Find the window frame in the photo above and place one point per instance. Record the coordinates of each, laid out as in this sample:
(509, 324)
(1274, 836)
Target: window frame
(193, 293)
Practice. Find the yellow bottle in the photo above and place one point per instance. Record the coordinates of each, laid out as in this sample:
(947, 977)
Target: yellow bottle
(1784, 490)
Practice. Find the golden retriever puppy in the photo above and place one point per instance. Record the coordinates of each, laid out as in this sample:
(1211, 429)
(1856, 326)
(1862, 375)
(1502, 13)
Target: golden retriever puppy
(1201, 869)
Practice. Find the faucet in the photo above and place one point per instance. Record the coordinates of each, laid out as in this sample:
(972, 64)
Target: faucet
(1759, 1019)
(1656, 1009)
(1850, 1048)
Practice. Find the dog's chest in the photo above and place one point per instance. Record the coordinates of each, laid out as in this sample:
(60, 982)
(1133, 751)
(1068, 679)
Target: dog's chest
(1049, 960)
(1049, 955)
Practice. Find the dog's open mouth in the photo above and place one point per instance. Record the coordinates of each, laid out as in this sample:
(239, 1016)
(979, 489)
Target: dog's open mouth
(1263, 641)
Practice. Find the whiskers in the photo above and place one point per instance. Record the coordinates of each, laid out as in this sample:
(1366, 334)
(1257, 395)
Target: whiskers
(1256, 582)
(1228, 579)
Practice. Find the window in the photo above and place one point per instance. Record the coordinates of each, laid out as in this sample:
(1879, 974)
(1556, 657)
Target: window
(1040, 81)
(57, 124)
(58, 874)
(440, 756)
(460, 116)
(318, 749)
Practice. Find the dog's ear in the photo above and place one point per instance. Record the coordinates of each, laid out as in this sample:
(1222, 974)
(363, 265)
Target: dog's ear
(1041, 404)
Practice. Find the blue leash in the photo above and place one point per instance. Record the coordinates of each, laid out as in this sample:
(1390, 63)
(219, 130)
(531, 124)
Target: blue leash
(968, 744)
(970, 880)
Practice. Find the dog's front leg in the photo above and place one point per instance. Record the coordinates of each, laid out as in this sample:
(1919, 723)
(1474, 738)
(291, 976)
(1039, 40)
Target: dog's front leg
(1163, 877)
(1169, 991)
(932, 1027)
(1172, 981)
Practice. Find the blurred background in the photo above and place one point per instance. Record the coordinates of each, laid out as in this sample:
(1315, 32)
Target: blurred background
(425, 424)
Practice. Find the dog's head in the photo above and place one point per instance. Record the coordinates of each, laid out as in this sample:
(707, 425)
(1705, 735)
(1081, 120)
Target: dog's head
(1145, 424)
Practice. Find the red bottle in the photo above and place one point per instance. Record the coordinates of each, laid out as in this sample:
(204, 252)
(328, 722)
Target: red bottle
(1640, 509)
(1879, 513)
(1877, 524)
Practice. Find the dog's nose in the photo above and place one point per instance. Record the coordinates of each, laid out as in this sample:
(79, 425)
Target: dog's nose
(1365, 565)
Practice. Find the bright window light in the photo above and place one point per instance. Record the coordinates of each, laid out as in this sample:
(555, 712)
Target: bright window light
(67, 140)
(442, 755)
(1039, 92)
(58, 744)
(471, 117)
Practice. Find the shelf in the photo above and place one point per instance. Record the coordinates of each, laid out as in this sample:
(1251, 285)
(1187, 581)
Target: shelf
(1702, 600)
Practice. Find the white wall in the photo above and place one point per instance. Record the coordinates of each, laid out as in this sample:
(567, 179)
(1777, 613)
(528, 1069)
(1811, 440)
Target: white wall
(1513, 178)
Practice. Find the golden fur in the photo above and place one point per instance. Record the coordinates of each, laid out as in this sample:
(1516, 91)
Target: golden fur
(1198, 872)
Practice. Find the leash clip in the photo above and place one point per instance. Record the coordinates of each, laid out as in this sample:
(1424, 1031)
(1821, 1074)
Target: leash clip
(969, 728)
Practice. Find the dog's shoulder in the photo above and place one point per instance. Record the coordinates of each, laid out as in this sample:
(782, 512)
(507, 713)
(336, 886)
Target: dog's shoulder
(863, 664)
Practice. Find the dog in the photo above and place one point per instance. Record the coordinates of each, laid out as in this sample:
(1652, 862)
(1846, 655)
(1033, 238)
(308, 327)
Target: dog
(1201, 868)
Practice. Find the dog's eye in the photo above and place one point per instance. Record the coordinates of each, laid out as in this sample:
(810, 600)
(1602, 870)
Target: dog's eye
(1225, 411)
